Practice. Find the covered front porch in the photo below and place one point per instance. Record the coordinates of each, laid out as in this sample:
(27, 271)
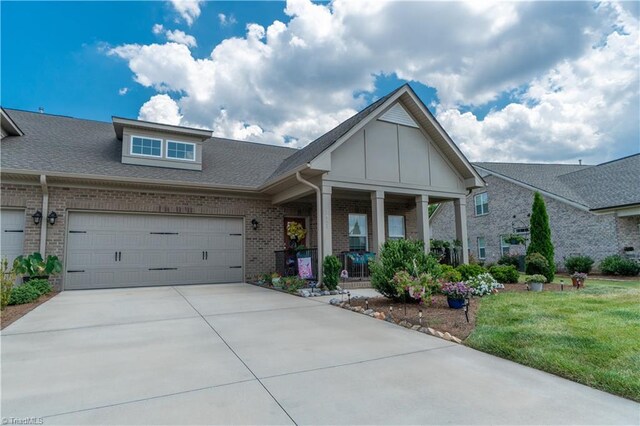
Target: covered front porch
(354, 222)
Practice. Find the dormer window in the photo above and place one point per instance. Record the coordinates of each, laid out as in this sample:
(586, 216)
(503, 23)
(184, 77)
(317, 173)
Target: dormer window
(149, 147)
(181, 150)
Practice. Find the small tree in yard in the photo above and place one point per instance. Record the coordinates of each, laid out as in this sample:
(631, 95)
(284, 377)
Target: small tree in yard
(541, 234)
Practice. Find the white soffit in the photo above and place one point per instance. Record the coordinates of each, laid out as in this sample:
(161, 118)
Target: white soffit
(398, 115)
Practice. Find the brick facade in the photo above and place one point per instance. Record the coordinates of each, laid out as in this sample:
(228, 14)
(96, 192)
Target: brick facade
(259, 244)
(573, 231)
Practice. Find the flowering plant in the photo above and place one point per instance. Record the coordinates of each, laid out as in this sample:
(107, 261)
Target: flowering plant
(580, 276)
(482, 284)
(458, 290)
(296, 231)
(418, 288)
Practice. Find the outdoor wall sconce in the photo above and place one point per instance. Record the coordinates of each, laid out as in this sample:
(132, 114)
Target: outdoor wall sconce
(37, 217)
(254, 224)
(52, 217)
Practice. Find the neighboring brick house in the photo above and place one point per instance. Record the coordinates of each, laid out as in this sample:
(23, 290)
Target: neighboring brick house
(593, 210)
(133, 203)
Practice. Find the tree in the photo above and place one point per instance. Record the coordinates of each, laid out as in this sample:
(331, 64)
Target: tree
(541, 234)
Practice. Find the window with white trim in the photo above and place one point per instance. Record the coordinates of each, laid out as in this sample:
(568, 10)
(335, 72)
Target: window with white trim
(482, 251)
(505, 245)
(482, 204)
(395, 224)
(149, 147)
(181, 150)
(358, 235)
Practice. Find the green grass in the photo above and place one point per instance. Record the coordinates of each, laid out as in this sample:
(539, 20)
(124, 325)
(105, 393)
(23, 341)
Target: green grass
(591, 336)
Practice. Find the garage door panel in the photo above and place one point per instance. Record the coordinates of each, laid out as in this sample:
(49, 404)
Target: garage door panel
(152, 250)
(12, 234)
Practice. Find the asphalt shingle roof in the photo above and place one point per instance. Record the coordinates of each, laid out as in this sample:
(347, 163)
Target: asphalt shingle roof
(63, 144)
(319, 145)
(611, 184)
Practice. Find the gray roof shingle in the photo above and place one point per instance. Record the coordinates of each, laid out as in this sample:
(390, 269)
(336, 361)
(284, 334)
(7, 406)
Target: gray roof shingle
(610, 184)
(319, 145)
(63, 144)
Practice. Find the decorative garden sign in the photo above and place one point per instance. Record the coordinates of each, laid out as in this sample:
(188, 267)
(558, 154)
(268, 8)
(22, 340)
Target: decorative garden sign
(304, 268)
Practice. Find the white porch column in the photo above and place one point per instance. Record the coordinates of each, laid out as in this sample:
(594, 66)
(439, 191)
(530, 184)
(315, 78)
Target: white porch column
(422, 212)
(327, 244)
(460, 207)
(377, 217)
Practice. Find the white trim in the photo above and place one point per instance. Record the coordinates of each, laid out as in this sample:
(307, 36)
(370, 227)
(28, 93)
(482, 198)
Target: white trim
(364, 235)
(166, 150)
(475, 204)
(145, 155)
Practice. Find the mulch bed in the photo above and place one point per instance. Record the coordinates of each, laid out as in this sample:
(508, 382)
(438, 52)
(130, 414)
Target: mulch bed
(15, 312)
(436, 314)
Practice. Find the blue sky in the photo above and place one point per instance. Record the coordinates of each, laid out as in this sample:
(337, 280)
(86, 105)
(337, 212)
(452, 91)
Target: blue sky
(502, 88)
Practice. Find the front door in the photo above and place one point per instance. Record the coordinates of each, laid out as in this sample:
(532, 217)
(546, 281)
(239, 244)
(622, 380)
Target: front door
(300, 220)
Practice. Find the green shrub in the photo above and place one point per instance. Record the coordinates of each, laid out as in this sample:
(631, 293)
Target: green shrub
(618, 265)
(23, 294)
(578, 264)
(331, 272)
(400, 255)
(292, 284)
(41, 286)
(449, 274)
(536, 278)
(508, 259)
(34, 265)
(505, 273)
(471, 270)
(7, 279)
(541, 235)
(536, 264)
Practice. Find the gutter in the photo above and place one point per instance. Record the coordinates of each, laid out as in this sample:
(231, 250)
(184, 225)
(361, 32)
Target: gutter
(318, 219)
(45, 212)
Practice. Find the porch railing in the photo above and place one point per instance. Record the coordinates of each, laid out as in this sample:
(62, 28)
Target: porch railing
(447, 256)
(356, 263)
(287, 261)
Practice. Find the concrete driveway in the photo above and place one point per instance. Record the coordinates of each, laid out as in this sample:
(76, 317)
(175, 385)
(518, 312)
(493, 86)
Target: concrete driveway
(239, 354)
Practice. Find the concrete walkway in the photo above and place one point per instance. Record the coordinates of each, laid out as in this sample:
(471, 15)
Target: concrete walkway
(239, 354)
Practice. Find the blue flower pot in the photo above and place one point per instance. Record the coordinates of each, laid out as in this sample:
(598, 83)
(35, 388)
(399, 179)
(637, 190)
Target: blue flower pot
(455, 303)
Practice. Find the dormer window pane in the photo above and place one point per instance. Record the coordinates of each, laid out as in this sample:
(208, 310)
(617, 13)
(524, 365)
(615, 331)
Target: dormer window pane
(181, 150)
(146, 146)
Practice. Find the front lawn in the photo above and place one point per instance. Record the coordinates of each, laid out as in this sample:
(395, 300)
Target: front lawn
(591, 335)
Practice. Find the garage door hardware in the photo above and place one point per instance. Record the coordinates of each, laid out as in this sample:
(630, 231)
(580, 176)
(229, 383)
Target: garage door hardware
(164, 233)
(236, 234)
(13, 230)
(118, 256)
(235, 267)
(77, 232)
(163, 269)
(79, 270)
(205, 255)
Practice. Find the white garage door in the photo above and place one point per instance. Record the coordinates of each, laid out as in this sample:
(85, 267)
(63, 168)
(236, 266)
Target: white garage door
(12, 244)
(128, 250)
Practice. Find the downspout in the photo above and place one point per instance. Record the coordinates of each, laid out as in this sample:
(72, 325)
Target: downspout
(45, 211)
(318, 219)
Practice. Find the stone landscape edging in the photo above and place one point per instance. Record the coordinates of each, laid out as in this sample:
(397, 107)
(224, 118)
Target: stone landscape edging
(406, 324)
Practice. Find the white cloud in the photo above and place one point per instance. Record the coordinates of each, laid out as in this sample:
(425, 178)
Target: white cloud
(225, 20)
(181, 37)
(189, 10)
(160, 109)
(123, 91)
(176, 36)
(583, 108)
(297, 79)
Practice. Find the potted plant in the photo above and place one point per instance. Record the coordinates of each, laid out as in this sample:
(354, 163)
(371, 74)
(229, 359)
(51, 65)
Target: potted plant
(578, 279)
(535, 282)
(35, 267)
(515, 239)
(456, 294)
(275, 279)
